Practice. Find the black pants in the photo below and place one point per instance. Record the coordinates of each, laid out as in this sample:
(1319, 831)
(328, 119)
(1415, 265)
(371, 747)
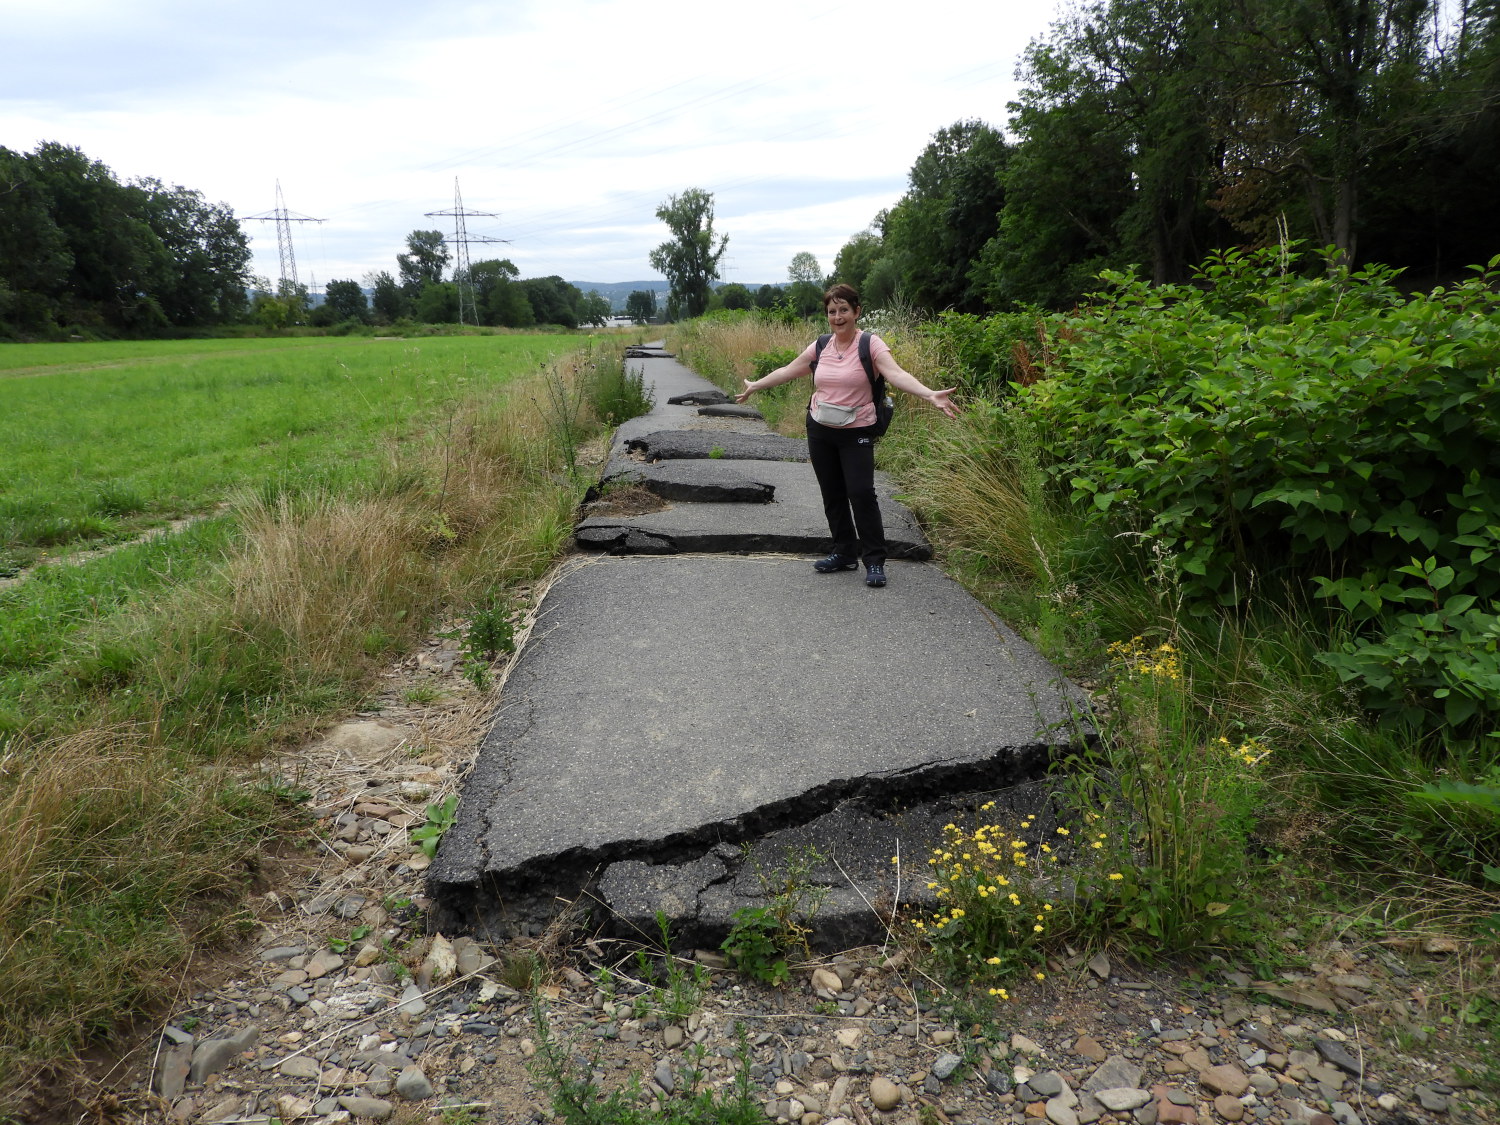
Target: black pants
(844, 462)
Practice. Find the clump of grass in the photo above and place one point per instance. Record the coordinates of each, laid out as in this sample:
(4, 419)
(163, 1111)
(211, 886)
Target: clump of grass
(119, 861)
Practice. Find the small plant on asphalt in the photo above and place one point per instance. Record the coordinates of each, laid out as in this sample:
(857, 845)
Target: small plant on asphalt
(792, 896)
(440, 818)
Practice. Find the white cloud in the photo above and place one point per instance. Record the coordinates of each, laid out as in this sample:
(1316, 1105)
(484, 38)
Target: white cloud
(572, 121)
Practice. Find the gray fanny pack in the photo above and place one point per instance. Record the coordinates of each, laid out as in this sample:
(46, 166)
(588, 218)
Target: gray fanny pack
(827, 414)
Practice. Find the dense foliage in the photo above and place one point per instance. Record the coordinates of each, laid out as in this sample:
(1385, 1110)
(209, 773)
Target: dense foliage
(1154, 131)
(1312, 436)
(80, 249)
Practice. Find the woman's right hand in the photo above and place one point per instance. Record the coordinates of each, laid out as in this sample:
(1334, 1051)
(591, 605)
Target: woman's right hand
(747, 392)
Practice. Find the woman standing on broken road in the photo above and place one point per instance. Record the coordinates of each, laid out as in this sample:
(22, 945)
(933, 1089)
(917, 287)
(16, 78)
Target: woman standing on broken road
(841, 429)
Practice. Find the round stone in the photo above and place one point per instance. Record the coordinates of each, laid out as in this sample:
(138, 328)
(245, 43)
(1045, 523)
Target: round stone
(884, 1094)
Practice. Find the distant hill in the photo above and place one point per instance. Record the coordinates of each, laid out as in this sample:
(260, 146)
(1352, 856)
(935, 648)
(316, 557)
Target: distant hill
(618, 292)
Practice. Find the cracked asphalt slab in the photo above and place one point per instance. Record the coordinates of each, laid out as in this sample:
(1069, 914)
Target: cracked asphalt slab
(792, 522)
(669, 703)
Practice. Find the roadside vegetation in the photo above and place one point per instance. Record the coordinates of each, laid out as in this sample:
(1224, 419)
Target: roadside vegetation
(1257, 516)
(353, 494)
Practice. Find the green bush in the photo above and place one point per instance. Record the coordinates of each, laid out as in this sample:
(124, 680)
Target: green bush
(988, 354)
(1323, 432)
(766, 362)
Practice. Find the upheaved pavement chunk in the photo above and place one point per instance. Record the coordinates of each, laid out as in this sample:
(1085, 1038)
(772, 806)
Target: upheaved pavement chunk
(678, 701)
(793, 524)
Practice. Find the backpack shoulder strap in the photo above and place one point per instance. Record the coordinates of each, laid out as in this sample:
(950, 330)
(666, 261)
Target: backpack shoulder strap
(820, 345)
(869, 360)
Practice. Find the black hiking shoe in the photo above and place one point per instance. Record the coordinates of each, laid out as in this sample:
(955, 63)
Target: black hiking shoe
(835, 563)
(875, 576)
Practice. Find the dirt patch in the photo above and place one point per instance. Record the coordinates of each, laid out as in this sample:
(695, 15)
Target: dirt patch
(624, 501)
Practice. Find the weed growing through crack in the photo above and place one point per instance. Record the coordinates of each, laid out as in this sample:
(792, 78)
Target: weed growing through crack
(763, 936)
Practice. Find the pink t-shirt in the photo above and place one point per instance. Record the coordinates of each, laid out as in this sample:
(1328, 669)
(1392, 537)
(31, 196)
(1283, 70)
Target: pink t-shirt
(843, 382)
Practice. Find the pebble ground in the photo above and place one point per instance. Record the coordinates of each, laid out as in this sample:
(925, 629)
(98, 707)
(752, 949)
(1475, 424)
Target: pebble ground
(340, 1007)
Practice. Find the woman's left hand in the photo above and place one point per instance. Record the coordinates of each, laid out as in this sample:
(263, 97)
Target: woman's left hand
(943, 400)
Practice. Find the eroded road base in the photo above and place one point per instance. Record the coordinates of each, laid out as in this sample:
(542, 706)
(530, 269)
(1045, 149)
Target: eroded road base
(833, 875)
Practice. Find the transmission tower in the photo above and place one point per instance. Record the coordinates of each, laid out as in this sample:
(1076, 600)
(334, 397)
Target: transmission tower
(284, 220)
(461, 239)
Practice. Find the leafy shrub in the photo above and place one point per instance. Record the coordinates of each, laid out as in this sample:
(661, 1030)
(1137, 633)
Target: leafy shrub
(988, 354)
(1325, 431)
(766, 362)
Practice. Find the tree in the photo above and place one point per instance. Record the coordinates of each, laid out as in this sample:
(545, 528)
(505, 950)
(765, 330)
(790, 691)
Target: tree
(346, 301)
(734, 296)
(691, 260)
(1336, 81)
(294, 298)
(508, 306)
(387, 298)
(769, 296)
(76, 245)
(423, 262)
(806, 278)
(594, 308)
(640, 306)
(553, 300)
(201, 271)
(852, 263)
(950, 211)
(35, 260)
(438, 303)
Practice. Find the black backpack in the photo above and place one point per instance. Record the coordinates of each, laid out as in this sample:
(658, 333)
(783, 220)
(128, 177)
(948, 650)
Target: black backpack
(885, 407)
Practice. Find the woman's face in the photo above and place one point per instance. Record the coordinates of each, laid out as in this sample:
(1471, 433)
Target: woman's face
(841, 315)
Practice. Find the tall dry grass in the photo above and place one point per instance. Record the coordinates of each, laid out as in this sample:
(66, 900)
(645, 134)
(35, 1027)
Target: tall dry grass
(128, 839)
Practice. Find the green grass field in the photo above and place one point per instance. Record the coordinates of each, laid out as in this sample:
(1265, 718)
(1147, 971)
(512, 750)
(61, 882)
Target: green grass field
(352, 491)
(102, 440)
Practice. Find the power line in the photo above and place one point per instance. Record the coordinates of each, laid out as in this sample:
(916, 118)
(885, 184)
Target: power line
(461, 239)
(284, 220)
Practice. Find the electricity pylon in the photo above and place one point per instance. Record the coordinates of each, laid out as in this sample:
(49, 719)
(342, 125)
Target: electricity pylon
(461, 239)
(284, 220)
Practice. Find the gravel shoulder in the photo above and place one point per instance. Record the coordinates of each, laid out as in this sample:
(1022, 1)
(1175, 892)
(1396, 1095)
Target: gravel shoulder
(340, 1007)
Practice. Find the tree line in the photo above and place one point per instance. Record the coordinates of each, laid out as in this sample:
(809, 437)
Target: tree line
(1150, 132)
(78, 248)
(82, 252)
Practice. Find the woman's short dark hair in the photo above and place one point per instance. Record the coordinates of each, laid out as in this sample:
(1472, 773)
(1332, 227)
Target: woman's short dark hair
(841, 292)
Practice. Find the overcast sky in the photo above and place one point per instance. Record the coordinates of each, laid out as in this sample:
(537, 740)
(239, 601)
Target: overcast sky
(572, 121)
